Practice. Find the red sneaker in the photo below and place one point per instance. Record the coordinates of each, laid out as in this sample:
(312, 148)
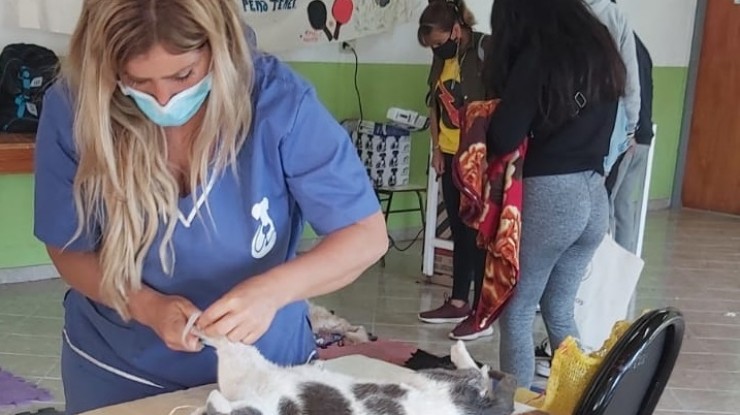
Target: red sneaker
(467, 330)
(448, 313)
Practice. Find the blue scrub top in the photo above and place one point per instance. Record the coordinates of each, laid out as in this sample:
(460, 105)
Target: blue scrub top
(298, 164)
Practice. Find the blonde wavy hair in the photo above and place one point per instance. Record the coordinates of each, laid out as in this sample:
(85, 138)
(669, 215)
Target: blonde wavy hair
(123, 183)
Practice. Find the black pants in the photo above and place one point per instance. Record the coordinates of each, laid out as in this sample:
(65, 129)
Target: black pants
(468, 260)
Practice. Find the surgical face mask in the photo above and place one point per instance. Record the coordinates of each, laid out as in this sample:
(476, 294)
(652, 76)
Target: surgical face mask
(447, 50)
(180, 108)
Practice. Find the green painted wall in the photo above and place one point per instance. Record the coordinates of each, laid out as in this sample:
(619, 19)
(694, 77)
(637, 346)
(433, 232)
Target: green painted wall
(381, 86)
(18, 247)
(669, 93)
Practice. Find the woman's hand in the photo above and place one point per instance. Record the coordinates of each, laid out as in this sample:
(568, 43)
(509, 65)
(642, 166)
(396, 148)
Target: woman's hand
(167, 315)
(438, 162)
(244, 314)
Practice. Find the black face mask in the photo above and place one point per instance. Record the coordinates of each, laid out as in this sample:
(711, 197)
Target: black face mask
(447, 50)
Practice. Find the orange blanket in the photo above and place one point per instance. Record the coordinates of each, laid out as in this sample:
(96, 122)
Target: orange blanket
(491, 202)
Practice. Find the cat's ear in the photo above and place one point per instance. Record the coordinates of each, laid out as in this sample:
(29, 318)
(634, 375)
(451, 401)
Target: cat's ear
(487, 389)
(506, 386)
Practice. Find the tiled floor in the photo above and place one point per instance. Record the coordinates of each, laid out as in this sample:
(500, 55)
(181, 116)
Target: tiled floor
(693, 262)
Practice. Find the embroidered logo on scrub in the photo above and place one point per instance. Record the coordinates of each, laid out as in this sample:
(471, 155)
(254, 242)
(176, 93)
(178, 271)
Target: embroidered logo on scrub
(266, 236)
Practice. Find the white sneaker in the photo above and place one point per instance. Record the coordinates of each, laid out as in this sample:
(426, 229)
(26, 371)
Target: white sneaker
(542, 368)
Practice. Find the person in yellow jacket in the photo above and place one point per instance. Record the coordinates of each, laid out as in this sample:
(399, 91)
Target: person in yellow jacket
(446, 26)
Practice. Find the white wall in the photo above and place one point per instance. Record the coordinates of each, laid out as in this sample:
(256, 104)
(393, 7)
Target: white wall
(9, 34)
(666, 26)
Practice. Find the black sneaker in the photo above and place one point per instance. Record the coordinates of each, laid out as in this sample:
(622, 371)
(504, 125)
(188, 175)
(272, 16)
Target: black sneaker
(543, 351)
(543, 358)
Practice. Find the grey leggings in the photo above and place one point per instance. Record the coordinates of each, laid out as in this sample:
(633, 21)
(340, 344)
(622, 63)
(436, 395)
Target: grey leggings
(564, 220)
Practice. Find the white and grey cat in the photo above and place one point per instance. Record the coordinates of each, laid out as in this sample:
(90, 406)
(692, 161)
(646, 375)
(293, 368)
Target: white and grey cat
(250, 385)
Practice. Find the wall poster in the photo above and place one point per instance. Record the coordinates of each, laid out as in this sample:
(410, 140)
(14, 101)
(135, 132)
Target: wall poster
(280, 25)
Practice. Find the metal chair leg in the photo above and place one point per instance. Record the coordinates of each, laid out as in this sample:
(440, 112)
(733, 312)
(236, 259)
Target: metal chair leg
(386, 214)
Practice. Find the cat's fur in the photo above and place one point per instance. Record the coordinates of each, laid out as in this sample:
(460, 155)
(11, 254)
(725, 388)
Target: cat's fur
(250, 385)
(324, 321)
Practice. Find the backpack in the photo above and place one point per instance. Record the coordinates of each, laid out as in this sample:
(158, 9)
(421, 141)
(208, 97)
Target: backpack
(26, 72)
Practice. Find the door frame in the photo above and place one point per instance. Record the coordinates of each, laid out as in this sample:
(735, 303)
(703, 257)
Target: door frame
(688, 104)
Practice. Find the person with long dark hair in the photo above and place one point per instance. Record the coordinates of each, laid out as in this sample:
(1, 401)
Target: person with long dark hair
(446, 26)
(559, 75)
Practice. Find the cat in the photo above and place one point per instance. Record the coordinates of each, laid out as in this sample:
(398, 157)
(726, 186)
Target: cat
(325, 322)
(250, 385)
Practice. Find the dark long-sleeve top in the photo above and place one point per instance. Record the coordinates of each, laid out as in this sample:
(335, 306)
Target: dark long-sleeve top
(578, 145)
(644, 133)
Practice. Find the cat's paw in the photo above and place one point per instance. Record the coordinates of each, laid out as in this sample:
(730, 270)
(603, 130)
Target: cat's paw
(217, 404)
(220, 343)
(460, 356)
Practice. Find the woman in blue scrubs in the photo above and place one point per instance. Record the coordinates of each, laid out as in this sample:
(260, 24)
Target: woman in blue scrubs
(175, 167)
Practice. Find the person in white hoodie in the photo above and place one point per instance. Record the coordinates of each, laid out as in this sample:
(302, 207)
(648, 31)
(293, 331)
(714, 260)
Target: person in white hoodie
(611, 17)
